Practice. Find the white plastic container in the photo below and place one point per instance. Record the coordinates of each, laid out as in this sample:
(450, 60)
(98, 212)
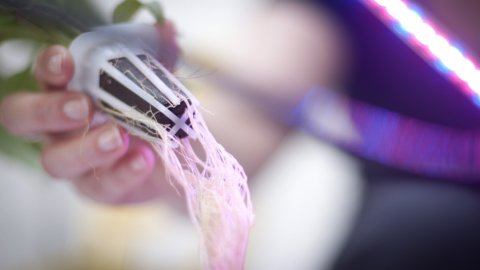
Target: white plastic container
(117, 67)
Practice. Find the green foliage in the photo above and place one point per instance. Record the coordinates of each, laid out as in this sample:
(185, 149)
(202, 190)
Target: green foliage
(128, 8)
(6, 18)
(23, 81)
(19, 148)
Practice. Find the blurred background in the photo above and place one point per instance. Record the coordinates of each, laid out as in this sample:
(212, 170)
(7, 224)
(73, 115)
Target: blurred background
(305, 192)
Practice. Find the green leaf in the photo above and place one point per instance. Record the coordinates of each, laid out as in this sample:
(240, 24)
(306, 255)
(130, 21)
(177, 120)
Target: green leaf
(21, 81)
(7, 18)
(125, 11)
(156, 10)
(19, 148)
(20, 28)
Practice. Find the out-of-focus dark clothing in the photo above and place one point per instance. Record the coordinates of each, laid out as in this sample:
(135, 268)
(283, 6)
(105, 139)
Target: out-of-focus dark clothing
(415, 223)
(407, 221)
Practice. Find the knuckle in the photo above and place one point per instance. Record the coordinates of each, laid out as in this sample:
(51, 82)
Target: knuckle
(116, 198)
(23, 114)
(96, 191)
(46, 111)
(42, 112)
(49, 164)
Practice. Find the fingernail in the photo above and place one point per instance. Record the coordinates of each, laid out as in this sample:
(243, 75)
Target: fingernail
(110, 140)
(139, 163)
(55, 63)
(76, 109)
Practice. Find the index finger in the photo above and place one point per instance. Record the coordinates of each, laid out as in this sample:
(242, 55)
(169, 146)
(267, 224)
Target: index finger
(54, 68)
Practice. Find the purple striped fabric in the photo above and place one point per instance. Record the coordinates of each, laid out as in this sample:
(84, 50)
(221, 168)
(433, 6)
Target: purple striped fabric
(390, 138)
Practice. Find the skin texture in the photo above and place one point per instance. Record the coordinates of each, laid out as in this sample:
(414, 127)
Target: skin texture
(127, 170)
(104, 163)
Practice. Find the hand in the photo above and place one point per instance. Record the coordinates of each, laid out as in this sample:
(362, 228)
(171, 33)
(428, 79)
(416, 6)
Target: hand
(104, 163)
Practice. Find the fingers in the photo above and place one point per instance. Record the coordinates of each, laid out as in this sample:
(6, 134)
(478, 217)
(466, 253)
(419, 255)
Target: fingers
(99, 162)
(115, 184)
(27, 114)
(72, 158)
(54, 68)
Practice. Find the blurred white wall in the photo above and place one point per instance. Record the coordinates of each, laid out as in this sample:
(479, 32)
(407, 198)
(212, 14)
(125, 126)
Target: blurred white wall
(305, 199)
(35, 217)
